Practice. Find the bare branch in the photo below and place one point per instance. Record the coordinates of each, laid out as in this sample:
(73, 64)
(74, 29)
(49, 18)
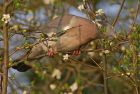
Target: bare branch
(115, 21)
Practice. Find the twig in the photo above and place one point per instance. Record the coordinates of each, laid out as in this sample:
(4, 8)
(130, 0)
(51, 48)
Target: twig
(6, 53)
(135, 65)
(105, 75)
(134, 54)
(135, 18)
(96, 63)
(118, 13)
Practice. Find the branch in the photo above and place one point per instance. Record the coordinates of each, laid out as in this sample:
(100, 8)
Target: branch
(134, 54)
(135, 18)
(116, 19)
(105, 75)
(6, 52)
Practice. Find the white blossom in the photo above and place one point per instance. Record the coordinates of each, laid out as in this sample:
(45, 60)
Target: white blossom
(93, 21)
(24, 92)
(6, 18)
(123, 48)
(52, 86)
(99, 12)
(65, 57)
(84, 0)
(101, 62)
(49, 1)
(74, 87)
(56, 74)
(44, 72)
(92, 43)
(139, 54)
(134, 28)
(69, 93)
(106, 51)
(97, 22)
(101, 54)
(55, 16)
(128, 73)
(81, 7)
(111, 43)
(99, 25)
(66, 27)
(91, 54)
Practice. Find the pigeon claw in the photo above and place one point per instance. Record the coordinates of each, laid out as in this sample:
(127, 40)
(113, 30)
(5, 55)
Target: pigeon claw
(76, 52)
(50, 52)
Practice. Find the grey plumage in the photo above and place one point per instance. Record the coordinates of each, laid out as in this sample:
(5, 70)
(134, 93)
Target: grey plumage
(78, 31)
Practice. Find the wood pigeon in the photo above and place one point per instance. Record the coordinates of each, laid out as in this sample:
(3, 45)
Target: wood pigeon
(70, 31)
